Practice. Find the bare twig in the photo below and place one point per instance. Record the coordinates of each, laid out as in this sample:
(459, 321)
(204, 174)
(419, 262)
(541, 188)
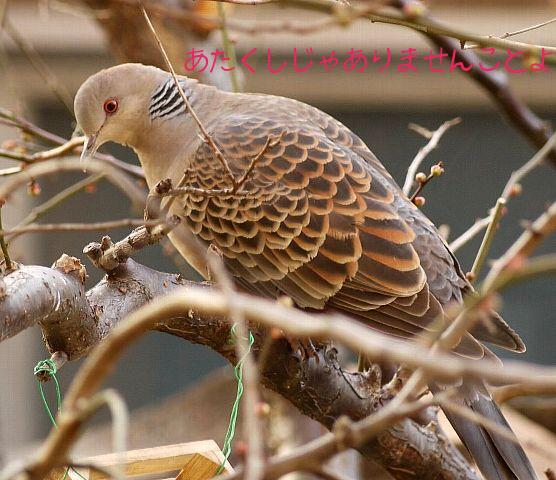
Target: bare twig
(270, 143)
(487, 240)
(235, 190)
(517, 254)
(120, 427)
(508, 392)
(79, 227)
(517, 176)
(15, 121)
(528, 29)
(61, 150)
(228, 47)
(434, 138)
(108, 256)
(112, 173)
(345, 435)
(528, 167)
(423, 180)
(206, 136)
(3, 245)
(470, 233)
(518, 32)
(5, 172)
(40, 210)
(13, 155)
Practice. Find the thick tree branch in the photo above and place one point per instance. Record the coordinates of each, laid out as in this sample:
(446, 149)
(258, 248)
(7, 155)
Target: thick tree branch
(321, 389)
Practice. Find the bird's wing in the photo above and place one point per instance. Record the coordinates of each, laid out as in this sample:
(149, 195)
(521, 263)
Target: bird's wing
(321, 221)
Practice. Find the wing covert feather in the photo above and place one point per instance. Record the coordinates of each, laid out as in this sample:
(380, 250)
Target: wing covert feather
(321, 221)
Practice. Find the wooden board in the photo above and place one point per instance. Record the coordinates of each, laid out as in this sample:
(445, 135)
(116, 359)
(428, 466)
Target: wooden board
(193, 460)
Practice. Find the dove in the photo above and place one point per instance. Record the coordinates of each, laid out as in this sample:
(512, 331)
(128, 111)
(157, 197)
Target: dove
(301, 208)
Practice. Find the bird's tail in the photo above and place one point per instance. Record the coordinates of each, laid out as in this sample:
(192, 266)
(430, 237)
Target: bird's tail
(497, 457)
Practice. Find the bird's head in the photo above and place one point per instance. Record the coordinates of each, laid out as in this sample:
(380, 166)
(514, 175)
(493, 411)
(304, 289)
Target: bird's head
(113, 104)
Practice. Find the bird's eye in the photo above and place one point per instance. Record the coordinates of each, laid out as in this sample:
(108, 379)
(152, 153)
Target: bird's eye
(111, 105)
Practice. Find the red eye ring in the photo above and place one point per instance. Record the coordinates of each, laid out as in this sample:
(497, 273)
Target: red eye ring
(111, 106)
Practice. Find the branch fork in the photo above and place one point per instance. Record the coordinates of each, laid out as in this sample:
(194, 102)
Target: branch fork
(108, 256)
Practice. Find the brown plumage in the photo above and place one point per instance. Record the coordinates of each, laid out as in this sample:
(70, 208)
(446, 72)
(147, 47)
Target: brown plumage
(319, 219)
(322, 221)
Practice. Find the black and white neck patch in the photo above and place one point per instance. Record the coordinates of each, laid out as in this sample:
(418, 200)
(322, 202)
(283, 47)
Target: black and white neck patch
(166, 101)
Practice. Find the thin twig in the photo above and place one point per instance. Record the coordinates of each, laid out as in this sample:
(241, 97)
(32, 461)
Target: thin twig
(424, 151)
(522, 248)
(40, 210)
(13, 120)
(206, 136)
(120, 428)
(5, 172)
(528, 167)
(436, 171)
(205, 192)
(228, 47)
(115, 175)
(61, 150)
(18, 156)
(236, 189)
(470, 233)
(108, 256)
(528, 29)
(487, 240)
(517, 32)
(517, 176)
(3, 245)
(270, 143)
(79, 227)
(507, 392)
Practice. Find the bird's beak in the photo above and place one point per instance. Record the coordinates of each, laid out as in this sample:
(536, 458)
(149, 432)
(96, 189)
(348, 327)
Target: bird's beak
(89, 149)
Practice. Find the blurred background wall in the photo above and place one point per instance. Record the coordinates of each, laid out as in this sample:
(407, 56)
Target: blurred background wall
(478, 155)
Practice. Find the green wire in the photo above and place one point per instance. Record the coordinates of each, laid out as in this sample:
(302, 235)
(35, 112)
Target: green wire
(48, 366)
(238, 372)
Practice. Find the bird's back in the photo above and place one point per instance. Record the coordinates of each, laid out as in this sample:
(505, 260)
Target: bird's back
(319, 219)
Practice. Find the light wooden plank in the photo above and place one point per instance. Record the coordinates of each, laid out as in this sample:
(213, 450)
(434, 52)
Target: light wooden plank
(194, 460)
